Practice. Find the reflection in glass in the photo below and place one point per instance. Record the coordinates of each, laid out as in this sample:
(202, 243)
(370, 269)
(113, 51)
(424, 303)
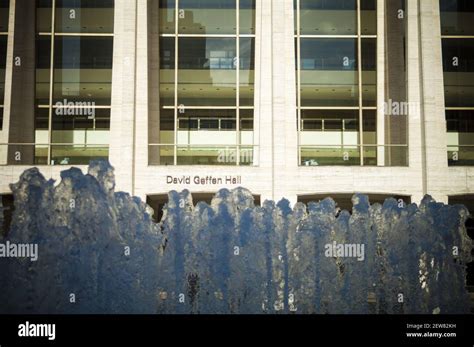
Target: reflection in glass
(206, 75)
(166, 135)
(328, 17)
(207, 17)
(4, 13)
(369, 72)
(204, 125)
(43, 15)
(247, 71)
(43, 68)
(456, 17)
(167, 16)
(247, 16)
(368, 16)
(83, 69)
(42, 122)
(78, 115)
(329, 72)
(460, 125)
(329, 79)
(369, 127)
(84, 16)
(167, 71)
(458, 65)
(461, 122)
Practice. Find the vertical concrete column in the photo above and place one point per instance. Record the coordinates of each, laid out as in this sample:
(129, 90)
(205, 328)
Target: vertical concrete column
(8, 85)
(20, 84)
(434, 122)
(153, 80)
(143, 89)
(285, 144)
(264, 93)
(415, 126)
(380, 81)
(124, 82)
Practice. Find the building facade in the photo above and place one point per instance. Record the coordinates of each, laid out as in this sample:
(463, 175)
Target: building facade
(296, 99)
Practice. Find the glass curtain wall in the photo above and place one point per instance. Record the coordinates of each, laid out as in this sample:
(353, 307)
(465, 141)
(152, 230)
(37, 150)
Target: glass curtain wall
(206, 83)
(74, 53)
(4, 10)
(336, 81)
(457, 30)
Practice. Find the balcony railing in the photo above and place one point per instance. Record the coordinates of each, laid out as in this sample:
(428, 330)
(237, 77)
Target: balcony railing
(354, 155)
(25, 154)
(212, 155)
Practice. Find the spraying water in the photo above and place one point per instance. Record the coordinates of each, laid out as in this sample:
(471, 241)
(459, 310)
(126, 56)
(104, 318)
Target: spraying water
(100, 252)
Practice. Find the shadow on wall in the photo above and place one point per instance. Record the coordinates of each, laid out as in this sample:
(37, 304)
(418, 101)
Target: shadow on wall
(99, 251)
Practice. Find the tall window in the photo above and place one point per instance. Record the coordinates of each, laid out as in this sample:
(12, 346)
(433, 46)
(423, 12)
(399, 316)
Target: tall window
(457, 29)
(336, 81)
(206, 83)
(4, 9)
(336, 49)
(74, 49)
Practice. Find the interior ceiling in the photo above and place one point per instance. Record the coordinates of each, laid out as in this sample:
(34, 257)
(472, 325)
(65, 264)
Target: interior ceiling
(98, 20)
